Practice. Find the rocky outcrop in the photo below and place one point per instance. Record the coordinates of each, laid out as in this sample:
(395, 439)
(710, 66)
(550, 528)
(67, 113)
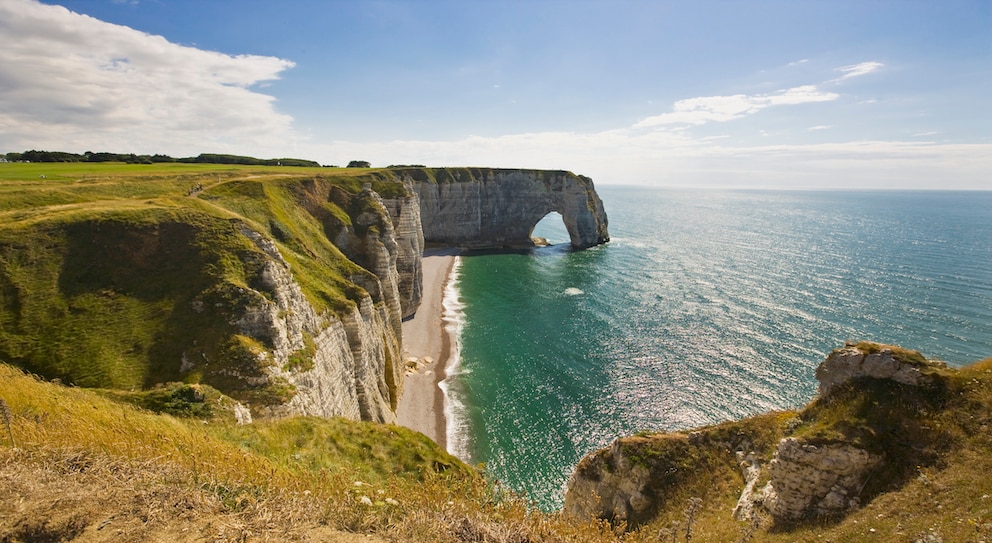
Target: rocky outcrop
(610, 484)
(824, 461)
(350, 367)
(808, 480)
(489, 208)
(750, 464)
(873, 360)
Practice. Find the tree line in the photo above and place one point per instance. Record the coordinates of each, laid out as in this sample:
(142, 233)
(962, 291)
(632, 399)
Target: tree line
(131, 158)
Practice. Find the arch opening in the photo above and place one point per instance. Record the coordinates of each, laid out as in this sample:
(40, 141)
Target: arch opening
(550, 230)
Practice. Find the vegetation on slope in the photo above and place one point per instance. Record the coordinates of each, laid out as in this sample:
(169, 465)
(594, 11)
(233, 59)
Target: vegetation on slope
(935, 441)
(110, 272)
(78, 465)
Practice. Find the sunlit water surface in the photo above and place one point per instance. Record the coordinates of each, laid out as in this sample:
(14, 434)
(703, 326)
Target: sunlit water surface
(705, 306)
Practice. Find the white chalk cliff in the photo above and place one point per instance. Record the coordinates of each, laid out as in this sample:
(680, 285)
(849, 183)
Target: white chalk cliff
(355, 368)
(493, 208)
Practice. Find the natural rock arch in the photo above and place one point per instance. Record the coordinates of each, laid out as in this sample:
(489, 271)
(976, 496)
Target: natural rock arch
(486, 208)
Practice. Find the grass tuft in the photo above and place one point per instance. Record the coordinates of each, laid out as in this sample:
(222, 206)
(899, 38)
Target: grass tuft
(5, 414)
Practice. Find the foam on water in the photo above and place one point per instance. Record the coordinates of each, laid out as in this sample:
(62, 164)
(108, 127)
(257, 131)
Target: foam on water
(453, 320)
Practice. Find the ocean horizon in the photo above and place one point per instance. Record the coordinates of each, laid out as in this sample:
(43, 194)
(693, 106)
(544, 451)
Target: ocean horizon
(706, 305)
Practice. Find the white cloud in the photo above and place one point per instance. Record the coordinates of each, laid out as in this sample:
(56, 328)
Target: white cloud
(70, 82)
(856, 70)
(707, 109)
(68, 77)
(671, 155)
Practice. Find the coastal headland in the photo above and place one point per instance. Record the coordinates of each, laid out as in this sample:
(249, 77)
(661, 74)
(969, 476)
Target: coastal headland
(161, 333)
(283, 287)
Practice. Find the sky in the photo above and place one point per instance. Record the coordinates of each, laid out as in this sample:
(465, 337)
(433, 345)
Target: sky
(744, 94)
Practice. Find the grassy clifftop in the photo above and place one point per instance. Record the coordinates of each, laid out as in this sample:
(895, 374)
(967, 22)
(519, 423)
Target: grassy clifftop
(110, 272)
(75, 465)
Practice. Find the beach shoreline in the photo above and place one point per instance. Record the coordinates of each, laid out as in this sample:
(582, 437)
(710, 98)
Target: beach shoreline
(426, 352)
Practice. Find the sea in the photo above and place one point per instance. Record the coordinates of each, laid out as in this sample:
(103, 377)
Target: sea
(706, 305)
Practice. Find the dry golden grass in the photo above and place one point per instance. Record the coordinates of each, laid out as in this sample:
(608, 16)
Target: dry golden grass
(88, 469)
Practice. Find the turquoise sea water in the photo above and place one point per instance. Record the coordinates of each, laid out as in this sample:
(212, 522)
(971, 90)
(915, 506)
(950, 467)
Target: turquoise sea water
(705, 306)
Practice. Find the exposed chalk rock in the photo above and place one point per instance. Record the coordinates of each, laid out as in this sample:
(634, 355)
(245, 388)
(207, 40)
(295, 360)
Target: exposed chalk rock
(351, 374)
(872, 360)
(609, 484)
(482, 208)
(409, 248)
(807, 479)
(750, 465)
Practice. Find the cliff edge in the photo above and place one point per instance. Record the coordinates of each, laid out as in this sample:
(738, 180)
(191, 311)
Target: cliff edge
(884, 419)
(285, 292)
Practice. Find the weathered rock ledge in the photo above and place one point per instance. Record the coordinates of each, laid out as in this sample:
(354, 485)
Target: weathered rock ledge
(821, 471)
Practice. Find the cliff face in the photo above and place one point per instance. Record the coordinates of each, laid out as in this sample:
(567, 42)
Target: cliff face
(285, 293)
(862, 436)
(486, 208)
(404, 211)
(344, 365)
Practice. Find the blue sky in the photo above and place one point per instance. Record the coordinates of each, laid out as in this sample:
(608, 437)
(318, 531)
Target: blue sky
(780, 94)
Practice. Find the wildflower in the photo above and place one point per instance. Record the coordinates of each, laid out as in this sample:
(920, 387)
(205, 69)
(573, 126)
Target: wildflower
(391, 501)
(365, 500)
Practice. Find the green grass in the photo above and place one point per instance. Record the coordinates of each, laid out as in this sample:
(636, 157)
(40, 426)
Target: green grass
(106, 269)
(62, 171)
(372, 452)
